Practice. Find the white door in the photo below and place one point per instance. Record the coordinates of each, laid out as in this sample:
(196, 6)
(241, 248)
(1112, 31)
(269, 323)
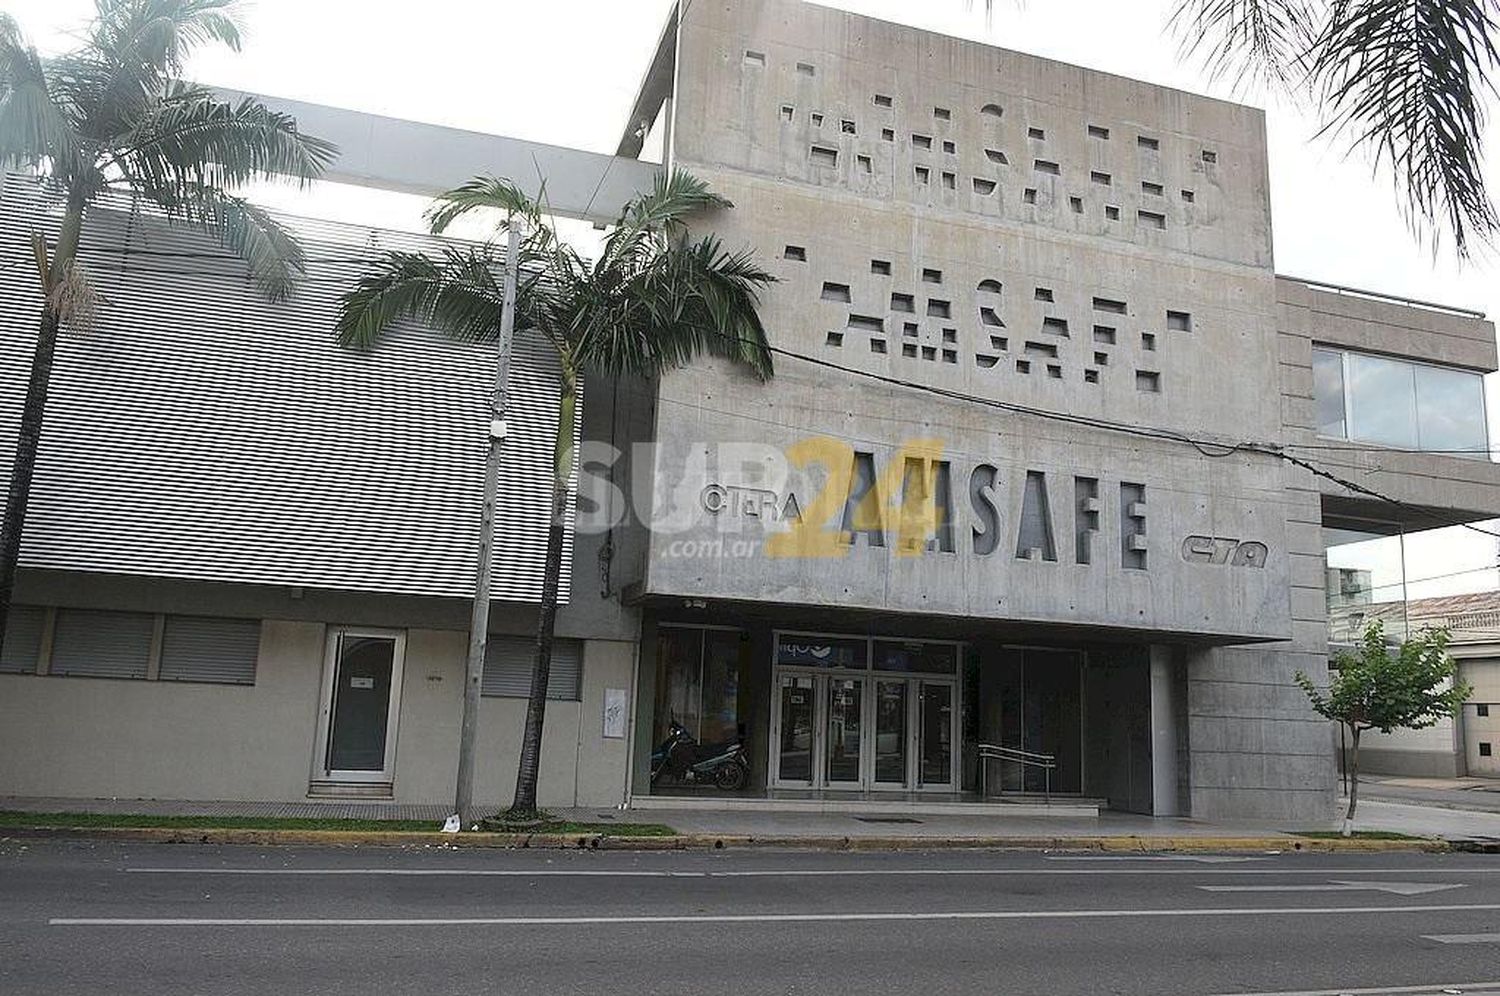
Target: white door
(361, 705)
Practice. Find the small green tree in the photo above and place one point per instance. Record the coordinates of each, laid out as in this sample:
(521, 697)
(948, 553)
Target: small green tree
(1375, 689)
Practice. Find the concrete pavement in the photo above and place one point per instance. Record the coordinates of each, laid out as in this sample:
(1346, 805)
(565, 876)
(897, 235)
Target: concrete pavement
(79, 917)
(1476, 794)
(1414, 817)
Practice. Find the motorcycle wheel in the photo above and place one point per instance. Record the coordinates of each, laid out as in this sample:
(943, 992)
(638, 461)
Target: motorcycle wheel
(730, 778)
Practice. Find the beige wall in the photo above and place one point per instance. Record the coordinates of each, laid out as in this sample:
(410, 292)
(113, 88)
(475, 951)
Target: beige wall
(579, 766)
(87, 737)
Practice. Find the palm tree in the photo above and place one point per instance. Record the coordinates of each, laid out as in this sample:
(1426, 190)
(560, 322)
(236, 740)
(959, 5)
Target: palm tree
(113, 116)
(1405, 79)
(652, 300)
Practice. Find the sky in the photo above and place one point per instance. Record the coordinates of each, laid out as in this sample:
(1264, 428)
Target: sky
(565, 72)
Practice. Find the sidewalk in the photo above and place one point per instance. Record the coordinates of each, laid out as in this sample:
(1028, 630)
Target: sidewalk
(1405, 818)
(1476, 794)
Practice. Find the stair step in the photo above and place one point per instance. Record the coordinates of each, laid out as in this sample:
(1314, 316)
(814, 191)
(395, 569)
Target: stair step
(350, 790)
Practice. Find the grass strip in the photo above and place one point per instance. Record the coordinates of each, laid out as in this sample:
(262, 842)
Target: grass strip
(136, 821)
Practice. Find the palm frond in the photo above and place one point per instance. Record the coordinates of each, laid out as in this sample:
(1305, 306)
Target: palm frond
(484, 193)
(251, 232)
(692, 298)
(162, 33)
(1410, 77)
(191, 136)
(674, 196)
(1251, 41)
(32, 125)
(458, 294)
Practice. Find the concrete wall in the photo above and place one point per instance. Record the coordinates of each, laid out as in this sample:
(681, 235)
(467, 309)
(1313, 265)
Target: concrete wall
(1436, 483)
(750, 79)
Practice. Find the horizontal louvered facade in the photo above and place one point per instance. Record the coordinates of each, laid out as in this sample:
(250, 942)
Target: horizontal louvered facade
(198, 431)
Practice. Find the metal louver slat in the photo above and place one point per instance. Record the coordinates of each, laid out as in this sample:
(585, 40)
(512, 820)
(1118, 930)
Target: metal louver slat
(94, 644)
(199, 431)
(23, 639)
(221, 651)
(507, 668)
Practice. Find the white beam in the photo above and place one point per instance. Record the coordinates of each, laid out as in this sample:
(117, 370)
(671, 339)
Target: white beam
(416, 158)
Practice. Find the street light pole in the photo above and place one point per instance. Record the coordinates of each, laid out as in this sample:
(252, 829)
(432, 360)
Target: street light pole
(479, 619)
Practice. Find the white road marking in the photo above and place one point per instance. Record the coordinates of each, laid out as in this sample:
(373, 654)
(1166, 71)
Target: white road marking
(579, 921)
(1467, 988)
(1395, 888)
(1464, 938)
(796, 872)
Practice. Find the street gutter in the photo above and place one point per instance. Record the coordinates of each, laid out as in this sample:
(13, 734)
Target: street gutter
(715, 842)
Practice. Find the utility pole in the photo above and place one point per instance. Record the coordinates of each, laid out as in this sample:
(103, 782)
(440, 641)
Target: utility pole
(479, 620)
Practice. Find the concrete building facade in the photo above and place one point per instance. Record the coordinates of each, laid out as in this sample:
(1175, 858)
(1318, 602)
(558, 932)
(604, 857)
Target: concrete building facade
(1022, 513)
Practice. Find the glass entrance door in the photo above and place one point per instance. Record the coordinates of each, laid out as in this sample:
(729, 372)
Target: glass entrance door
(892, 732)
(843, 743)
(935, 767)
(362, 691)
(796, 703)
(844, 731)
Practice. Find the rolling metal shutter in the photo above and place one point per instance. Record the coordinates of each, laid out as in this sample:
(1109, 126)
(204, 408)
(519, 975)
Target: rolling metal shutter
(221, 651)
(94, 644)
(507, 668)
(23, 639)
(198, 431)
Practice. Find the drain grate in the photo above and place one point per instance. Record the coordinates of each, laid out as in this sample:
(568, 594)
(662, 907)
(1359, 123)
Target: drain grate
(886, 819)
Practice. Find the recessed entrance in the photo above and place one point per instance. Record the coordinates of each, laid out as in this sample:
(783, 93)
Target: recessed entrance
(838, 722)
(361, 702)
(1032, 701)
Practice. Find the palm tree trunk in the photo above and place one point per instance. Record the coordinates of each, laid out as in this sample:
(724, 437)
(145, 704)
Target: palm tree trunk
(29, 438)
(1348, 830)
(524, 804)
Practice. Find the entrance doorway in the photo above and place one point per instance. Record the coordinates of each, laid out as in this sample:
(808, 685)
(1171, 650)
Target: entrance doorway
(850, 726)
(361, 703)
(1033, 702)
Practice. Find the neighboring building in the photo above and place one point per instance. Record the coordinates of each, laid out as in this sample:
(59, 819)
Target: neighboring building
(965, 512)
(1468, 744)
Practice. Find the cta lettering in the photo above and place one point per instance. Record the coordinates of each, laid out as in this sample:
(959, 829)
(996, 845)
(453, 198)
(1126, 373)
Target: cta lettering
(1221, 550)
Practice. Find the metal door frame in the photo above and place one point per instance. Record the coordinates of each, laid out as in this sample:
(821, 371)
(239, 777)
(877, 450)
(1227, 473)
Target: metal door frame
(387, 774)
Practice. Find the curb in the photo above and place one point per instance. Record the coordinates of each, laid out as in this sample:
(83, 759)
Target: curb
(717, 842)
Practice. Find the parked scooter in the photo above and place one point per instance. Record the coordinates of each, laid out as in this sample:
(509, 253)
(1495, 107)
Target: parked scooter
(683, 759)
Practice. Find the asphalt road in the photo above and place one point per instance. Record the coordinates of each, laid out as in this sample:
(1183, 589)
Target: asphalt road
(80, 917)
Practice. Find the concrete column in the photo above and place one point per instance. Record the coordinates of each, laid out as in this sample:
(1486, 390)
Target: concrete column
(1166, 710)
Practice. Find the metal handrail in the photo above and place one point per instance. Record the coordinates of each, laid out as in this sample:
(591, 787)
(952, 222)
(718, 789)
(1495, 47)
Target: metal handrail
(1035, 759)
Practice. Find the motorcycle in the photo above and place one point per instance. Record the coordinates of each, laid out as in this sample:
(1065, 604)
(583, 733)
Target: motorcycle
(684, 759)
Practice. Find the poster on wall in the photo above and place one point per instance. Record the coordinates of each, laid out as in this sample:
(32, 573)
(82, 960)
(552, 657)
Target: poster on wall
(614, 713)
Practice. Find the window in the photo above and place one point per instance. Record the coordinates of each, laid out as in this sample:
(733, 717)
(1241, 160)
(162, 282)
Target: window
(697, 681)
(95, 644)
(925, 658)
(1482, 709)
(507, 668)
(23, 639)
(218, 651)
(1484, 749)
(1399, 403)
(1328, 388)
